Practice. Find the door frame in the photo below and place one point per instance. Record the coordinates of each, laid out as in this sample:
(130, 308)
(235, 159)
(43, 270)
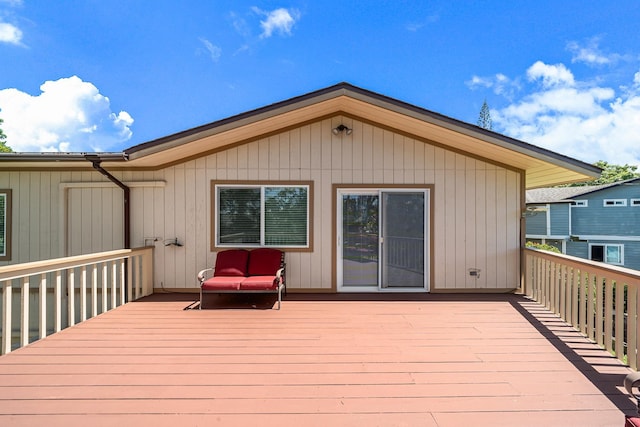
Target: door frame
(429, 211)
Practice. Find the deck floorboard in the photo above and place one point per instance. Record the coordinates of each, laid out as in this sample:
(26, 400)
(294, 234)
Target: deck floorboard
(433, 360)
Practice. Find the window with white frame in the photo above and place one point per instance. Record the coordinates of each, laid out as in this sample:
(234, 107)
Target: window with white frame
(614, 202)
(635, 202)
(611, 254)
(264, 215)
(580, 203)
(5, 224)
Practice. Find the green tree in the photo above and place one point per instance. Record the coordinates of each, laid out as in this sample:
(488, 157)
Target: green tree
(4, 148)
(484, 120)
(611, 173)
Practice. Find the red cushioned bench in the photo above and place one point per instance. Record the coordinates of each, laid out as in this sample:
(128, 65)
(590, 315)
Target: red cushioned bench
(241, 271)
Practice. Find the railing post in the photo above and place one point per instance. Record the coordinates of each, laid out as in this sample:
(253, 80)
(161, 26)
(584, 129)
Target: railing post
(6, 317)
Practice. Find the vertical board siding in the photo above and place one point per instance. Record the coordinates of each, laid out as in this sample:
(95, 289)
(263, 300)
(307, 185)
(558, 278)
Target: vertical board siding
(475, 205)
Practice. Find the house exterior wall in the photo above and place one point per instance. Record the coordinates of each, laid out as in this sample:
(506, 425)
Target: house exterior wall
(476, 205)
(595, 223)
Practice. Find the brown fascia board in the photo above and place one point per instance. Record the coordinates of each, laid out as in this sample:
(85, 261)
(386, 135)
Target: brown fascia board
(61, 157)
(346, 89)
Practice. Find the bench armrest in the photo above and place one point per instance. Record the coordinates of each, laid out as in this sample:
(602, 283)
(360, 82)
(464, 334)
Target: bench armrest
(280, 275)
(202, 273)
(630, 381)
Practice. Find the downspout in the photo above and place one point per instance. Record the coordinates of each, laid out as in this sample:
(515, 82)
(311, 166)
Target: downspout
(95, 161)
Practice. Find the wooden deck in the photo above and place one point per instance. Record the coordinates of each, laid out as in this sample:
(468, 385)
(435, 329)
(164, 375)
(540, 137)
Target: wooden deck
(391, 360)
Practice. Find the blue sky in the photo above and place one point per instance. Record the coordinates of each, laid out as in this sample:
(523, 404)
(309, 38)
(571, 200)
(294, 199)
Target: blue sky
(96, 75)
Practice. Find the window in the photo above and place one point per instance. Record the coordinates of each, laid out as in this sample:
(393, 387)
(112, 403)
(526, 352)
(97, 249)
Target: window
(614, 202)
(5, 224)
(611, 254)
(273, 215)
(635, 202)
(580, 203)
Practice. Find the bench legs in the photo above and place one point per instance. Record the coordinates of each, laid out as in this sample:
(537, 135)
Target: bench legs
(280, 288)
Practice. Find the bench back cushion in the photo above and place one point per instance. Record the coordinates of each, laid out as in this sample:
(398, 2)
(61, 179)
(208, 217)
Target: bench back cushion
(231, 263)
(264, 262)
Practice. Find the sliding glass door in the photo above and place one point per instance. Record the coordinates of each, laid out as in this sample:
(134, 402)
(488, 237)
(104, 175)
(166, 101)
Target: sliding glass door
(382, 240)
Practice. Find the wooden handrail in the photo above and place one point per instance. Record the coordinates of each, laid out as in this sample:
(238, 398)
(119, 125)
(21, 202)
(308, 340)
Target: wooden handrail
(56, 283)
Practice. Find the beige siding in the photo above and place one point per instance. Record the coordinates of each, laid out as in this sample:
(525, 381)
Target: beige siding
(475, 204)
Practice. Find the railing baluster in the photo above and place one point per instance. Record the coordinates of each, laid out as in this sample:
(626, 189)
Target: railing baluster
(6, 317)
(608, 314)
(57, 302)
(83, 293)
(24, 312)
(71, 297)
(599, 310)
(105, 279)
(620, 336)
(123, 278)
(633, 323)
(42, 294)
(575, 297)
(94, 290)
(114, 284)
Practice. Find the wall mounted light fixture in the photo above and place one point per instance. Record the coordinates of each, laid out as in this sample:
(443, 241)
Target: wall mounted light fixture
(341, 128)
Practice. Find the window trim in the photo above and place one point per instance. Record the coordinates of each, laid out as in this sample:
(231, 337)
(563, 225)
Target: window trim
(580, 203)
(604, 248)
(614, 203)
(215, 246)
(635, 203)
(6, 256)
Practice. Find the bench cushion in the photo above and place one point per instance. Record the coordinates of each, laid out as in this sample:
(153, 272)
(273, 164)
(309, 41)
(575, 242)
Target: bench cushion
(232, 262)
(259, 283)
(264, 262)
(223, 283)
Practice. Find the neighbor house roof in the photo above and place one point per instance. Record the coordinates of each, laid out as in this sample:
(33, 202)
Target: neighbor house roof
(542, 167)
(568, 194)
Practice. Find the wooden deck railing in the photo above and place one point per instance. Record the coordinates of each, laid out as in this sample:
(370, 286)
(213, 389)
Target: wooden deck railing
(43, 297)
(598, 299)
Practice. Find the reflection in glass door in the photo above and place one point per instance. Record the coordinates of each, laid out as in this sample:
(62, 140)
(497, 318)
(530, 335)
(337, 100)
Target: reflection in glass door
(403, 240)
(360, 240)
(382, 237)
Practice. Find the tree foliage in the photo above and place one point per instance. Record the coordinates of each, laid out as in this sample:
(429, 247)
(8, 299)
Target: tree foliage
(484, 120)
(611, 173)
(4, 148)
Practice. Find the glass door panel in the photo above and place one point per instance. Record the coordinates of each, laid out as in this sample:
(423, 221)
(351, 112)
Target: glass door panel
(403, 240)
(360, 241)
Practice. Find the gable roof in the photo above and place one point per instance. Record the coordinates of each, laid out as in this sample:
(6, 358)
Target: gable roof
(568, 194)
(542, 167)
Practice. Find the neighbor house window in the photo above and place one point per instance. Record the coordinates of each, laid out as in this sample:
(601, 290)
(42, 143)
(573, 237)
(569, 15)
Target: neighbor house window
(635, 202)
(5, 224)
(272, 215)
(615, 202)
(611, 254)
(580, 203)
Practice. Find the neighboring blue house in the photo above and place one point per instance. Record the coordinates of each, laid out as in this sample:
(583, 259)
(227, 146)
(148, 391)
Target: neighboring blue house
(601, 222)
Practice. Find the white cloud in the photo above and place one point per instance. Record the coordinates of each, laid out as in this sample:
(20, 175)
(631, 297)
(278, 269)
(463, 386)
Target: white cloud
(551, 75)
(11, 34)
(279, 20)
(499, 84)
(591, 54)
(214, 51)
(578, 118)
(68, 115)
